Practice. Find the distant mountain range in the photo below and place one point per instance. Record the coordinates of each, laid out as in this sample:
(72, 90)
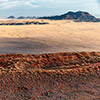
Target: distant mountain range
(21, 17)
(79, 16)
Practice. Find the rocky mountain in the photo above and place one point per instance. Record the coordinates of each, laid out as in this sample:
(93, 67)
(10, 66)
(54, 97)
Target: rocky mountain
(79, 16)
(21, 17)
(11, 17)
(29, 17)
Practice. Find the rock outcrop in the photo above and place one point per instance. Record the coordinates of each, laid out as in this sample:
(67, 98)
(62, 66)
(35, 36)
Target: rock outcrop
(11, 17)
(76, 16)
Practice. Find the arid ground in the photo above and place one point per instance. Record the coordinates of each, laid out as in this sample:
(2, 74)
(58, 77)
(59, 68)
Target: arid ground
(71, 71)
(57, 36)
(57, 76)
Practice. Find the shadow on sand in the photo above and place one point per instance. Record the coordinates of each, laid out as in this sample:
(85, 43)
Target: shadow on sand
(27, 46)
(41, 45)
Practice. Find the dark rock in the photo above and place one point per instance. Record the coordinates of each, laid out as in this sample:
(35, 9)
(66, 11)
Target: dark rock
(30, 17)
(21, 17)
(76, 16)
(11, 17)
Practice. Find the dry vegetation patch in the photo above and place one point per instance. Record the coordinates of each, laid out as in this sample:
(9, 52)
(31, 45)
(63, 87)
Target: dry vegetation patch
(23, 22)
(56, 76)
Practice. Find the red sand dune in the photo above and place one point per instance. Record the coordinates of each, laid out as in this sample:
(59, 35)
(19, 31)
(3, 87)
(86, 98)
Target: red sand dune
(56, 76)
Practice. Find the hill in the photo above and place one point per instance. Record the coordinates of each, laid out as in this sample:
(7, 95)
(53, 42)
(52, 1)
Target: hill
(11, 17)
(56, 76)
(21, 17)
(79, 16)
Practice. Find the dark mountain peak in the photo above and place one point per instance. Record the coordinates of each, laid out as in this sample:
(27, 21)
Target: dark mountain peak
(30, 17)
(21, 17)
(69, 13)
(11, 17)
(83, 13)
(80, 12)
(78, 16)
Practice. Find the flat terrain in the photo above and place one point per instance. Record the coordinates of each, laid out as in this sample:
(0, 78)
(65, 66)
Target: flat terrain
(57, 36)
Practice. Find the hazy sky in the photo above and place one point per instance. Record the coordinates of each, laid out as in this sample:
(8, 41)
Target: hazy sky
(47, 7)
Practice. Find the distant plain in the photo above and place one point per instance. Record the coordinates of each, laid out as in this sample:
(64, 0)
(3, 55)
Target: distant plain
(57, 36)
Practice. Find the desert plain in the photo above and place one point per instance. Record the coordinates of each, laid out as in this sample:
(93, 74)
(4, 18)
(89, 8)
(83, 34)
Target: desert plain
(57, 36)
(55, 61)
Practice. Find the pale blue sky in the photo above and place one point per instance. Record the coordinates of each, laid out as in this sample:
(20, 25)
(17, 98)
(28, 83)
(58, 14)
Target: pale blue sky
(47, 7)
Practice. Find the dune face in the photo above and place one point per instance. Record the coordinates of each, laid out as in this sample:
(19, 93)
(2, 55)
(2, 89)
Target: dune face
(57, 76)
(57, 36)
